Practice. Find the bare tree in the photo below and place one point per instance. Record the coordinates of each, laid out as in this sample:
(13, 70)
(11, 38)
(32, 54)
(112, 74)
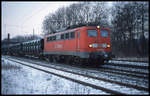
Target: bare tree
(128, 22)
(76, 14)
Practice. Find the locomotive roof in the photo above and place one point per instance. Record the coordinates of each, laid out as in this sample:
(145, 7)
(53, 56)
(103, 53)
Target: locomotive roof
(76, 26)
(68, 30)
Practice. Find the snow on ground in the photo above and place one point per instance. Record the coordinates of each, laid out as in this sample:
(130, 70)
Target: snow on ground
(21, 79)
(96, 73)
(132, 58)
(81, 78)
(127, 69)
(129, 63)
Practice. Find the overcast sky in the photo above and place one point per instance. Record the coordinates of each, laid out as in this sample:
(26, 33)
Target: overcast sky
(19, 18)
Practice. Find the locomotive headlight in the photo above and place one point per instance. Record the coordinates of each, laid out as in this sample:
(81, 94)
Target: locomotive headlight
(98, 26)
(95, 45)
(108, 45)
(90, 45)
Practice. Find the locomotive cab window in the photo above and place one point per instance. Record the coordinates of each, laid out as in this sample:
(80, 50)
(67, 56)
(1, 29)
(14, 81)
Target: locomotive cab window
(92, 33)
(104, 33)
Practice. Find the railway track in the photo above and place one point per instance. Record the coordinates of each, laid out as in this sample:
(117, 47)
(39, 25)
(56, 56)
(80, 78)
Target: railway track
(126, 69)
(143, 61)
(128, 65)
(123, 70)
(133, 87)
(129, 73)
(132, 73)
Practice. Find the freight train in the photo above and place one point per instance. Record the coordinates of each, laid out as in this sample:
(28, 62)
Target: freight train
(80, 44)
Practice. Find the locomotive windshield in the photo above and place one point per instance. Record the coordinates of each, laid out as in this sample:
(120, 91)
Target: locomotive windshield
(92, 33)
(104, 33)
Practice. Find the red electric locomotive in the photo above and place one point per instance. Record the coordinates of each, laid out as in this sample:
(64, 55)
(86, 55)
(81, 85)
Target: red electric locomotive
(86, 42)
